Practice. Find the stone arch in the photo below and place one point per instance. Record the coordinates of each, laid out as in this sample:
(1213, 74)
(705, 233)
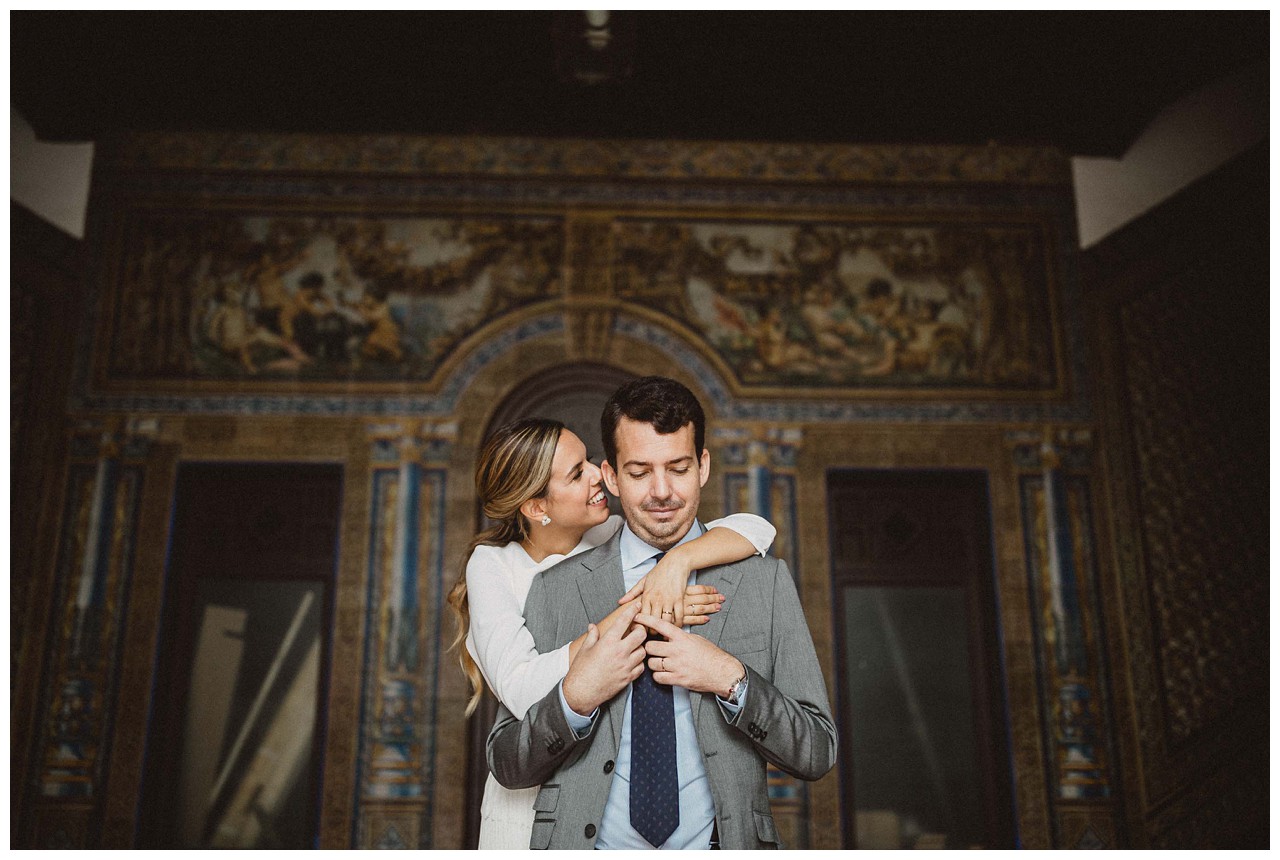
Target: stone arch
(574, 392)
(484, 387)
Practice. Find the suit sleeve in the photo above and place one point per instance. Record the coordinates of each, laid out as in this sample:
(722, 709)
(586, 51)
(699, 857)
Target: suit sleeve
(789, 719)
(528, 752)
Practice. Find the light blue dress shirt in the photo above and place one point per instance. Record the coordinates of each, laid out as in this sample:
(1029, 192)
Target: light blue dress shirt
(697, 809)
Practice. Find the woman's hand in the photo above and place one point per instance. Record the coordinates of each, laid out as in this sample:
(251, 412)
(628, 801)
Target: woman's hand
(624, 615)
(663, 593)
(700, 601)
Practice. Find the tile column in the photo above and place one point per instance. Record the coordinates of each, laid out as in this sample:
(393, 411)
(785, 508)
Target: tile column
(403, 639)
(1053, 467)
(83, 645)
(759, 467)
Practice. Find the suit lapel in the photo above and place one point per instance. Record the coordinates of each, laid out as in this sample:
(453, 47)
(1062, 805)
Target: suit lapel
(725, 578)
(600, 580)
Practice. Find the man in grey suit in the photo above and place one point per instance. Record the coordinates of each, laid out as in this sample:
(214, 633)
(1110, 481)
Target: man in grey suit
(619, 765)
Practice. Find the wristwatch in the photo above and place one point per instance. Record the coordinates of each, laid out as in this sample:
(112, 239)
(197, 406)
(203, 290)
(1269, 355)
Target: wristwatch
(735, 689)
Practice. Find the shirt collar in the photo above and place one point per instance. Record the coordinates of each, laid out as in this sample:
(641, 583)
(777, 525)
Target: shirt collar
(635, 551)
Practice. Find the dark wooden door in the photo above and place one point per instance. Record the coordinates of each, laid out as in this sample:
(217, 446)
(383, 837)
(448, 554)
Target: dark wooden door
(924, 756)
(237, 721)
(1180, 303)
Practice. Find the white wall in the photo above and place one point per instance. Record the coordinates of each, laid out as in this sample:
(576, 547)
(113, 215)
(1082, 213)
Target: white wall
(1187, 140)
(50, 179)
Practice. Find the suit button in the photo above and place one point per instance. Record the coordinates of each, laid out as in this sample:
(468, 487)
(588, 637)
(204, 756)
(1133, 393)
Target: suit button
(590, 831)
(608, 767)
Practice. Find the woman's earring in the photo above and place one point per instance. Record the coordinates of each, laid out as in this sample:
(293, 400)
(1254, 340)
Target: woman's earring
(546, 520)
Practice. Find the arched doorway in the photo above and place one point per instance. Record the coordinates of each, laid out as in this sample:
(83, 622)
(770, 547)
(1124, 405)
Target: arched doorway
(574, 394)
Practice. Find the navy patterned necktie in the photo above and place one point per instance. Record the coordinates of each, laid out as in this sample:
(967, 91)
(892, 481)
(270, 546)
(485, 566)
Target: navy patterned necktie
(655, 788)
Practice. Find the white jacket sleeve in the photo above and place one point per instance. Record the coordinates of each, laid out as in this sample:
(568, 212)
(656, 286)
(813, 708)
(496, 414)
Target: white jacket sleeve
(500, 643)
(756, 529)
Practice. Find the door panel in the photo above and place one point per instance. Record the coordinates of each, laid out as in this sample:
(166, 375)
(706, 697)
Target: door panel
(234, 753)
(1179, 301)
(924, 759)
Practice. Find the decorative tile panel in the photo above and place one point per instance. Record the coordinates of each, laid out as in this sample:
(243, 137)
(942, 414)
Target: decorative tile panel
(759, 478)
(78, 703)
(1066, 615)
(403, 639)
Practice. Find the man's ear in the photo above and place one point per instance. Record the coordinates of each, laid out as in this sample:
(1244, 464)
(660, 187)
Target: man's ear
(610, 477)
(704, 467)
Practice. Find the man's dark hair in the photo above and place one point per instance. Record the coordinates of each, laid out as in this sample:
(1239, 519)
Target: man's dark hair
(662, 403)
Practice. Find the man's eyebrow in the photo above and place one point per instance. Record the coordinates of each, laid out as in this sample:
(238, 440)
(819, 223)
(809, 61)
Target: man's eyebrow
(632, 463)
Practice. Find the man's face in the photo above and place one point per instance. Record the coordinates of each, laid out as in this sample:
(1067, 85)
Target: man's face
(659, 479)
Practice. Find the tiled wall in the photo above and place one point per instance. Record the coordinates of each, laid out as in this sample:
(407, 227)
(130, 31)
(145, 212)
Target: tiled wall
(834, 306)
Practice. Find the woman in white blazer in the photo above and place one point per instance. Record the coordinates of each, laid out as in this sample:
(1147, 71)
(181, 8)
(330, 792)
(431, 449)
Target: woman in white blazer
(548, 503)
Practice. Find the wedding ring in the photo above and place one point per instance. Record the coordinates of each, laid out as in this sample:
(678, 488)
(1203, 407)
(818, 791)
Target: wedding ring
(662, 667)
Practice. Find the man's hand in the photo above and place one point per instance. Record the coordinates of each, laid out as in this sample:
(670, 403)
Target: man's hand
(689, 661)
(606, 663)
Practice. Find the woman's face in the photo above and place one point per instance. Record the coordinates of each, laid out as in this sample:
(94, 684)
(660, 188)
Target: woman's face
(575, 497)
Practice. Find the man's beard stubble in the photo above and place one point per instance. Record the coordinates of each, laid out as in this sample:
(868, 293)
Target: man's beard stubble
(662, 535)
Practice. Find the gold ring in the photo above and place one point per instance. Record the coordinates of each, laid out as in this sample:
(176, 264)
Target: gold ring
(662, 666)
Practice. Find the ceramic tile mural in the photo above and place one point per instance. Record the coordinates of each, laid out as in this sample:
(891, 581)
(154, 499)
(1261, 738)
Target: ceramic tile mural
(313, 299)
(858, 304)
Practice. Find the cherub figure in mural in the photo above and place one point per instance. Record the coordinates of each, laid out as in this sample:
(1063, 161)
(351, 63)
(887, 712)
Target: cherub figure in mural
(831, 325)
(931, 346)
(879, 317)
(232, 331)
(313, 321)
(382, 339)
(266, 273)
(775, 348)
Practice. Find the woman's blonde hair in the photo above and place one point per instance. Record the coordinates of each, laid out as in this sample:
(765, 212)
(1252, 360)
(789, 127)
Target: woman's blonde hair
(514, 466)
